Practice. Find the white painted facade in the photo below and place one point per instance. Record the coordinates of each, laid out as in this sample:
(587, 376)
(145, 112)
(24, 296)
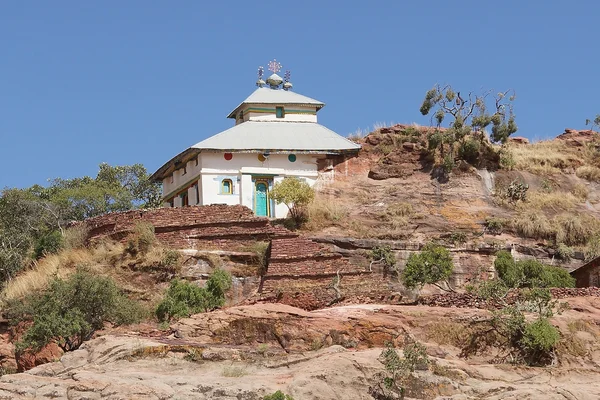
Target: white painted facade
(276, 135)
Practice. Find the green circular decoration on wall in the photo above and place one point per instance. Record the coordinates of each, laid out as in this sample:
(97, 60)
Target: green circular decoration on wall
(261, 158)
(292, 158)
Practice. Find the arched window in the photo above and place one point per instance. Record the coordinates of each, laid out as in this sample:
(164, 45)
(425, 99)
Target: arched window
(226, 186)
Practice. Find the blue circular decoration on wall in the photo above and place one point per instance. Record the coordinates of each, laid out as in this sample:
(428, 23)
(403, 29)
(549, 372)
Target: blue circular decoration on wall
(292, 157)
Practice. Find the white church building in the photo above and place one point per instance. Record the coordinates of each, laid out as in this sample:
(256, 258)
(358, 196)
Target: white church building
(276, 134)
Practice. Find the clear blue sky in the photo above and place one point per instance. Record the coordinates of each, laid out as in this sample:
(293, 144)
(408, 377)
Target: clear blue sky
(139, 81)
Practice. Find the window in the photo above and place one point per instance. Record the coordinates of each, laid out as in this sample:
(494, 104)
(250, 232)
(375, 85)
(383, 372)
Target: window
(171, 178)
(197, 161)
(197, 193)
(184, 171)
(226, 186)
(279, 112)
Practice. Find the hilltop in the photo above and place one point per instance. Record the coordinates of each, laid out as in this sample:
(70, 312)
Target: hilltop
(338, 308)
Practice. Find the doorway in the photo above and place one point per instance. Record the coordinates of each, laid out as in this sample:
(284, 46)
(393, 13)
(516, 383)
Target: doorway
(261, 198)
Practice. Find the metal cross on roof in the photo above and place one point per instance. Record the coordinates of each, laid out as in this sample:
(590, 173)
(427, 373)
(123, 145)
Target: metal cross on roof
(274, 66)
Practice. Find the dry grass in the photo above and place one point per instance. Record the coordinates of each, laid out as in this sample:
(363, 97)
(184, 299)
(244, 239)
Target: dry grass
(555, 201)
(580, 191)
(575, 229)
(234, 371)
(570, 229)
(37, 278)
(75, 237)
(325, 211)
(589, 173)
(448, 333)
(533, 225)
(544, 157)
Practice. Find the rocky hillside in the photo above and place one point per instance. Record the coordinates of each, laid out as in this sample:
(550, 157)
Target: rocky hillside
(249, 352)
(397, 191)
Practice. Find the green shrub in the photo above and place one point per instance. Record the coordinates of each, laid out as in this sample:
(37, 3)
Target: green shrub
(184, 298)
(530, 273)
(539, 337)
(296, 194)
(398, 370)
(494, 225)
(385, 255)
(71, 310)
(448, 163)
(469, 151)
(50, 243)
(432, 265)
(507, 269)
(278, 395)
(507, 160)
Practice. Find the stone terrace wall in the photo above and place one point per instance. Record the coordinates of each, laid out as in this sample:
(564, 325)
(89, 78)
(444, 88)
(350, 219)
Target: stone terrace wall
(195, 227)
(302, 273)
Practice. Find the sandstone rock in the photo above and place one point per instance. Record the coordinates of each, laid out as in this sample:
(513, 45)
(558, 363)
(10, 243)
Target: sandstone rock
(518, 140)
(50, 353)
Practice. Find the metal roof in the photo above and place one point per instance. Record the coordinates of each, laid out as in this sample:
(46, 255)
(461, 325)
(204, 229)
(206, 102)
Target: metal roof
(265, 95)
(272, 136)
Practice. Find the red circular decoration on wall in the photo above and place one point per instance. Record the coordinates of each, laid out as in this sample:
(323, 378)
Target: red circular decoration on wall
(228, 156)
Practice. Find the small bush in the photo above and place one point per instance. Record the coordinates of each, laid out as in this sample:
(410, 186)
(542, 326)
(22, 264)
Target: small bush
(539, 337)
(278, 395)
(469, 151)
(530, 273)
(516, 191)
(71, 310)
(385, 255)
(184, 299)
(564, 252)
(50, 243)
(296, 194)
(507, 269)
(432, 265)
(507, 160)
(494, 226)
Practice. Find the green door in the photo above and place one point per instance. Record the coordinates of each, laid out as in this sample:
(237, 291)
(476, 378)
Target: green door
(261, 205)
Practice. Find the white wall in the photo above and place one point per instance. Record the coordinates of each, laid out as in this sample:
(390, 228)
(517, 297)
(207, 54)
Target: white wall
(242, 167)
(179, 178)
(289, 116)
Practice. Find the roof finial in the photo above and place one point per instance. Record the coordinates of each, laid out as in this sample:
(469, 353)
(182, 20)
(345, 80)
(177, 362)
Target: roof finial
(274, 66)
(260, 81)
(287, 85)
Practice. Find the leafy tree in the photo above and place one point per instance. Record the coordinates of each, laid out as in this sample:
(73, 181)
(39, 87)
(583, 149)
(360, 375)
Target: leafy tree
(519, 339)
(399, 369)
(594, 123)
(467, 114)
(184, 298)
(71, 310)
(431, 266)
(30, 217)
(50, 243)
(295, 194)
